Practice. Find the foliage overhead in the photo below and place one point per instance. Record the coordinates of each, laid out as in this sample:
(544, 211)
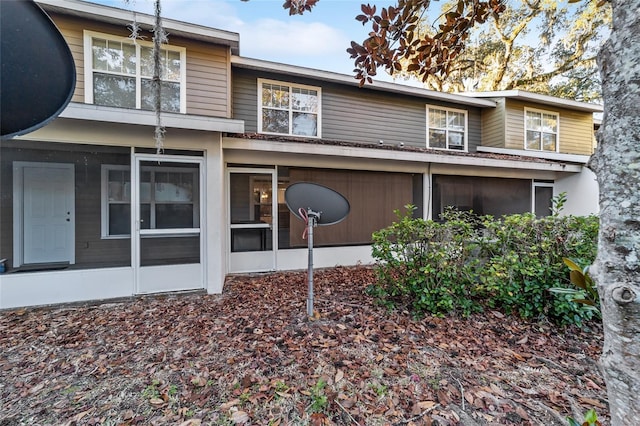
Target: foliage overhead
(561, 60)
(393, 38)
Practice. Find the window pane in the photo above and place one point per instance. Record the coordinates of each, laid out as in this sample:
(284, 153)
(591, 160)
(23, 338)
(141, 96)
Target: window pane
(304, 100)
(275, 121)
(146, 61)
(533, 121)
(174, 187)
(114, 90)
(119, 184)
(173, 66)
(129, 64)
(456, 140)
(533, 140)
(304, 124)
(550, 123)
(119, 219)
(456, 121)
(437, 138)
(275, 96)
(437, 118)
(170, 93)
(172, 216)
(549, 141)
(99, 51)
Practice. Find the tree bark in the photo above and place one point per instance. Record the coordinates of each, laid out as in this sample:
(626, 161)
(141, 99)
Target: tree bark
(617, 166)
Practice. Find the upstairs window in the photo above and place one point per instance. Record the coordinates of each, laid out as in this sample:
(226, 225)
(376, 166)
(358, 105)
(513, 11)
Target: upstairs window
(541, 130)
(119, 73)
(446, 128)
(288, 109)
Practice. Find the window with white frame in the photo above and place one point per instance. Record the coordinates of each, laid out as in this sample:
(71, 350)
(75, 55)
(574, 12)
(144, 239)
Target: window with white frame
(169, 199)
(446, 128)
(288, 109)
(119, 73)
(541, 130)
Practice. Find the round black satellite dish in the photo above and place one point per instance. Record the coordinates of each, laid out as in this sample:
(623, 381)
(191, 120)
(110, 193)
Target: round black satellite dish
(37, 68)
(331, 205)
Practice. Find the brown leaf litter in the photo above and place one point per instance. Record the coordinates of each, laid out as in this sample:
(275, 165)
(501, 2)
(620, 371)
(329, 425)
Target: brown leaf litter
(250, 356)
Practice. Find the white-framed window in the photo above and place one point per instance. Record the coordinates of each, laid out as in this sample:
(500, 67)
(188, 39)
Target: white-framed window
(541, 130)
(289, 109)
(168, 199)
(446, 128)
(119, 73)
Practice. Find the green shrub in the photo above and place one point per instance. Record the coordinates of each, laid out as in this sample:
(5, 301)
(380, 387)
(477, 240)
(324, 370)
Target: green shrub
(523, 259)
(425, 264)
(508, 263)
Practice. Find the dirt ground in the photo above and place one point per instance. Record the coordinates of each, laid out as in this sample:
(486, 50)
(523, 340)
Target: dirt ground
(251, 356)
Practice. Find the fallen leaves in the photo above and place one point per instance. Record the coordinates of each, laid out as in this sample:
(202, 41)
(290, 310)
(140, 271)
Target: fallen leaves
(251, 356)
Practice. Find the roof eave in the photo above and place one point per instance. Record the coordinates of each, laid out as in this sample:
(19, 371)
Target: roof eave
(333, 77)
(117, 16)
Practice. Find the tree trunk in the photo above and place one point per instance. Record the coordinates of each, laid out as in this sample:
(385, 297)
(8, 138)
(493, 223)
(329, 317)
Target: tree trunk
(617, 166)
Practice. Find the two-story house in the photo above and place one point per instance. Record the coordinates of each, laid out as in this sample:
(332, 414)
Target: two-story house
(90, 209)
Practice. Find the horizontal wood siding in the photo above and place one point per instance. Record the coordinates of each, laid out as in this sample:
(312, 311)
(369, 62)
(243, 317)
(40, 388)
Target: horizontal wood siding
(493, 125)
(207, 66)
(575, 127)
(245, 100)
(208, 80)
(576, 132)
(364, 116)
(91, 249)
(352, 114)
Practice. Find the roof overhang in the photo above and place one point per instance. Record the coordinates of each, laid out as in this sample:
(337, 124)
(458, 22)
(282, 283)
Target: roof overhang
(117, 16)
(333, 77)
(88, 112)
(408, 156)
(538, 98)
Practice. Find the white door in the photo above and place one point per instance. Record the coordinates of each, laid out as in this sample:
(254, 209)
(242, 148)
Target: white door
(48, 213)
(253, 219)
(167, 219)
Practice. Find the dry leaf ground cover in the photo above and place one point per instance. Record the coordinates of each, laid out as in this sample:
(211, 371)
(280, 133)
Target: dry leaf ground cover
(250, 356)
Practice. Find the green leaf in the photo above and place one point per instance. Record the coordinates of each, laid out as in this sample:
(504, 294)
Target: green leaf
(577, 279)
(591, 417)
(571, 264)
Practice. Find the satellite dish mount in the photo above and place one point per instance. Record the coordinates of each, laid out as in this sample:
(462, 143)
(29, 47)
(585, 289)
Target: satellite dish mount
(316, 205)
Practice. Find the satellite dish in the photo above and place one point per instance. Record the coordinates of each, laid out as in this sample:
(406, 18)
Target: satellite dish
(316, 205)
(37, 68)
(330, 205)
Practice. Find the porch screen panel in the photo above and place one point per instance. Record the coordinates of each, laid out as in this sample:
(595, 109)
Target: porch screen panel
(543, 200)
(169, 195)
(91, 197)
(174, 250)
(482, 195)
(373, 197)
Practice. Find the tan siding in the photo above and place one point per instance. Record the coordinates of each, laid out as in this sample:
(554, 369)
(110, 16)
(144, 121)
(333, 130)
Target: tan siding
(493, 125)
(72, 32)
(208, 80)
(576, 132)
(207, 66)
(514, 124)
(575, 127)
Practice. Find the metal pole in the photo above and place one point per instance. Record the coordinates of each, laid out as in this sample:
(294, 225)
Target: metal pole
(311, 224)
